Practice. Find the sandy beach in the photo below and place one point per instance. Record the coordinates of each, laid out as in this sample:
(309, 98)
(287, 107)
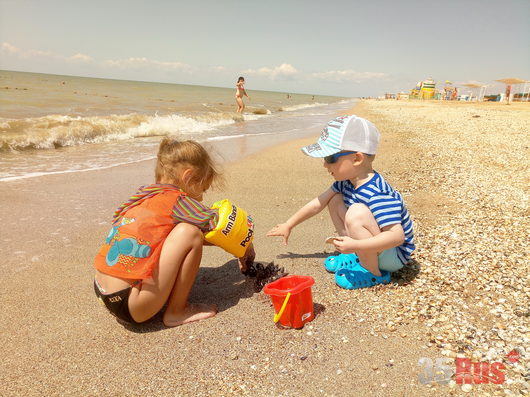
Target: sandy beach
(463, 171)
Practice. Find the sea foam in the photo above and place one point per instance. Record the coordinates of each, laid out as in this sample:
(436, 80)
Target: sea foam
(56, 131)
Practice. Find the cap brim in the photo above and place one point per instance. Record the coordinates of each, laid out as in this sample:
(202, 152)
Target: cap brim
(319, 151)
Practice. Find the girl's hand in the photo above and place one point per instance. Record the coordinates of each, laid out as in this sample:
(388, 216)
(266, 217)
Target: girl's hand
(345, 244)
(247, 259)
(280, 230)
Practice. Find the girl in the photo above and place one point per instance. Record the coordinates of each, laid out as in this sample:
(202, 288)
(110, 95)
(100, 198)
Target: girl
(153, 251)
(240, 91)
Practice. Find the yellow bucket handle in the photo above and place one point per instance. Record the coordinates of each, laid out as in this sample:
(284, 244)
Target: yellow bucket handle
(279, 314)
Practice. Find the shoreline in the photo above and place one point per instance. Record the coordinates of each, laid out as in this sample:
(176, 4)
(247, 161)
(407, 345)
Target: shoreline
(237, 138)
(225, 151)
(365, 342)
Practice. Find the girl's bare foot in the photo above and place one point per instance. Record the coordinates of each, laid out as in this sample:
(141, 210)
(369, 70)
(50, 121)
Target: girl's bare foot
(192, 312)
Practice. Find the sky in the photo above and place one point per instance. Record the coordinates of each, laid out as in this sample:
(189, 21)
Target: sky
(335, 47)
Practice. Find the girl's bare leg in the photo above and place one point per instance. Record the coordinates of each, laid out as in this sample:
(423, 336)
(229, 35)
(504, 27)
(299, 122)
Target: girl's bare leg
(179, 311)
(179, 263)
(361, 224)
(240, 105)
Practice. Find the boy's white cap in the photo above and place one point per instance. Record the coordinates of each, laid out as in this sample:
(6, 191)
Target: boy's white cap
(345, 133)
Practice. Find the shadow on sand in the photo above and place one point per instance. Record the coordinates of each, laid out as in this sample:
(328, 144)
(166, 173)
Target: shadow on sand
(403, 276)
(223, 285)
(315, 255)
(407, 274)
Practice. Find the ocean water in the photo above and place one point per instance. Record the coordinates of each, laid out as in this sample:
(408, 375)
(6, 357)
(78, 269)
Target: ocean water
(56, 124)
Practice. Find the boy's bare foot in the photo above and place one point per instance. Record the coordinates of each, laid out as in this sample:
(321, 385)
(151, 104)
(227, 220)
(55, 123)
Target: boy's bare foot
(192, 312)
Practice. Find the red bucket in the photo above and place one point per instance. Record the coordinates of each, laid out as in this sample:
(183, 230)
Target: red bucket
(292, 300)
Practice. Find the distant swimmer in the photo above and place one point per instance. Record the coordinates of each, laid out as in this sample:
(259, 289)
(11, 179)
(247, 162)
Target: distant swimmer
(240, 92)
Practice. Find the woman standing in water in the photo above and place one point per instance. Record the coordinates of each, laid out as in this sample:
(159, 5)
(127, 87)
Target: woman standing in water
(240, 92)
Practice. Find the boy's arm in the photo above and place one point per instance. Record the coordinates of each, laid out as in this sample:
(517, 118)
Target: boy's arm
(391, 236)
(307, 211)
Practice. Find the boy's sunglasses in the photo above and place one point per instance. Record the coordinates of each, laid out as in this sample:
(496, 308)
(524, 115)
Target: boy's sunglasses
(332, 159)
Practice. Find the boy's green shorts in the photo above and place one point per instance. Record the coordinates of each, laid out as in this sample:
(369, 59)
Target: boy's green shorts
(389, 260)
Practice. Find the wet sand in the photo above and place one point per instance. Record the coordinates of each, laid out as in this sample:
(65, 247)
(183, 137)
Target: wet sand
(59, 341)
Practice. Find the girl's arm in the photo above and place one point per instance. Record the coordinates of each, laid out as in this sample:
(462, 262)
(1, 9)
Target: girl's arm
(307, 211)
(189, 210)
(247, 259)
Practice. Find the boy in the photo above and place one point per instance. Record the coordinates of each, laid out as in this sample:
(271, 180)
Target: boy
(374, 227)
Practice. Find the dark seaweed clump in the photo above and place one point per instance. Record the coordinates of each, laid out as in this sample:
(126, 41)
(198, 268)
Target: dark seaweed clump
(264, 273)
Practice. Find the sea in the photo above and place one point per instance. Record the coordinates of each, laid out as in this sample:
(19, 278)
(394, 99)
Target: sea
(52, 124)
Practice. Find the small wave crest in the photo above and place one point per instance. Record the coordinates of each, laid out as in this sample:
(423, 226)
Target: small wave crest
(301, 106)
(168, 125)
(259, 110)
(54, 131)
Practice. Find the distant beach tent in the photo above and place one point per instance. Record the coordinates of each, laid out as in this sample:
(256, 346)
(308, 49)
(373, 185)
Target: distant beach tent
(427, 89)
(511, 81)
(475, 85)
(415, 92)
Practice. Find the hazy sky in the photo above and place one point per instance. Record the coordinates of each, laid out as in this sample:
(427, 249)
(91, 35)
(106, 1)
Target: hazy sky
(335, 47)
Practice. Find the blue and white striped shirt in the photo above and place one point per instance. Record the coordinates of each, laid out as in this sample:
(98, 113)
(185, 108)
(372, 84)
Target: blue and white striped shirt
(385, 203)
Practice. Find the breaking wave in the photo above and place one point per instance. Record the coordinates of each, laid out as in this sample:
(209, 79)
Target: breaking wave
(56, 131)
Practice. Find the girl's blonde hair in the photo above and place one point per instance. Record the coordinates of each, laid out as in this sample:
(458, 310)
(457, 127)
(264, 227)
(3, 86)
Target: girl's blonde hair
(175, 156)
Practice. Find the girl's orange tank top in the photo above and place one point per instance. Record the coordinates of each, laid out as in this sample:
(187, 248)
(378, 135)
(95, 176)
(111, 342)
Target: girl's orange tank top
(132, 248)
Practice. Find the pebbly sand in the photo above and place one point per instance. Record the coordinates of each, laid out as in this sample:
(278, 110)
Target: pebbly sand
(463, 171)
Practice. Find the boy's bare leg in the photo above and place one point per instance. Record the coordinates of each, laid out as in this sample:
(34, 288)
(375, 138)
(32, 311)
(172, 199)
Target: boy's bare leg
(361, 224)
(337, 212)
(179, 263)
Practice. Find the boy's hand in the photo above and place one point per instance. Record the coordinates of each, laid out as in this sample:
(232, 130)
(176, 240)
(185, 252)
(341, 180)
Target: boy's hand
(280, 230)
(344, 244)
(247, 259)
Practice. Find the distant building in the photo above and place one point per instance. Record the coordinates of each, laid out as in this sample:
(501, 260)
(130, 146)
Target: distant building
(423, 90)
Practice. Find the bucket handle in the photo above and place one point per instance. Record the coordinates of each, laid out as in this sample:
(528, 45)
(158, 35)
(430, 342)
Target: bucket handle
(279, 314)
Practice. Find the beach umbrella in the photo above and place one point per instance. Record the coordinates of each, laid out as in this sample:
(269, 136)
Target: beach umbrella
(474, 85)
(514, 81)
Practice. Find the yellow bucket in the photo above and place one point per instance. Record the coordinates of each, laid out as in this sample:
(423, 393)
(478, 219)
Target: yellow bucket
(234, 230)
